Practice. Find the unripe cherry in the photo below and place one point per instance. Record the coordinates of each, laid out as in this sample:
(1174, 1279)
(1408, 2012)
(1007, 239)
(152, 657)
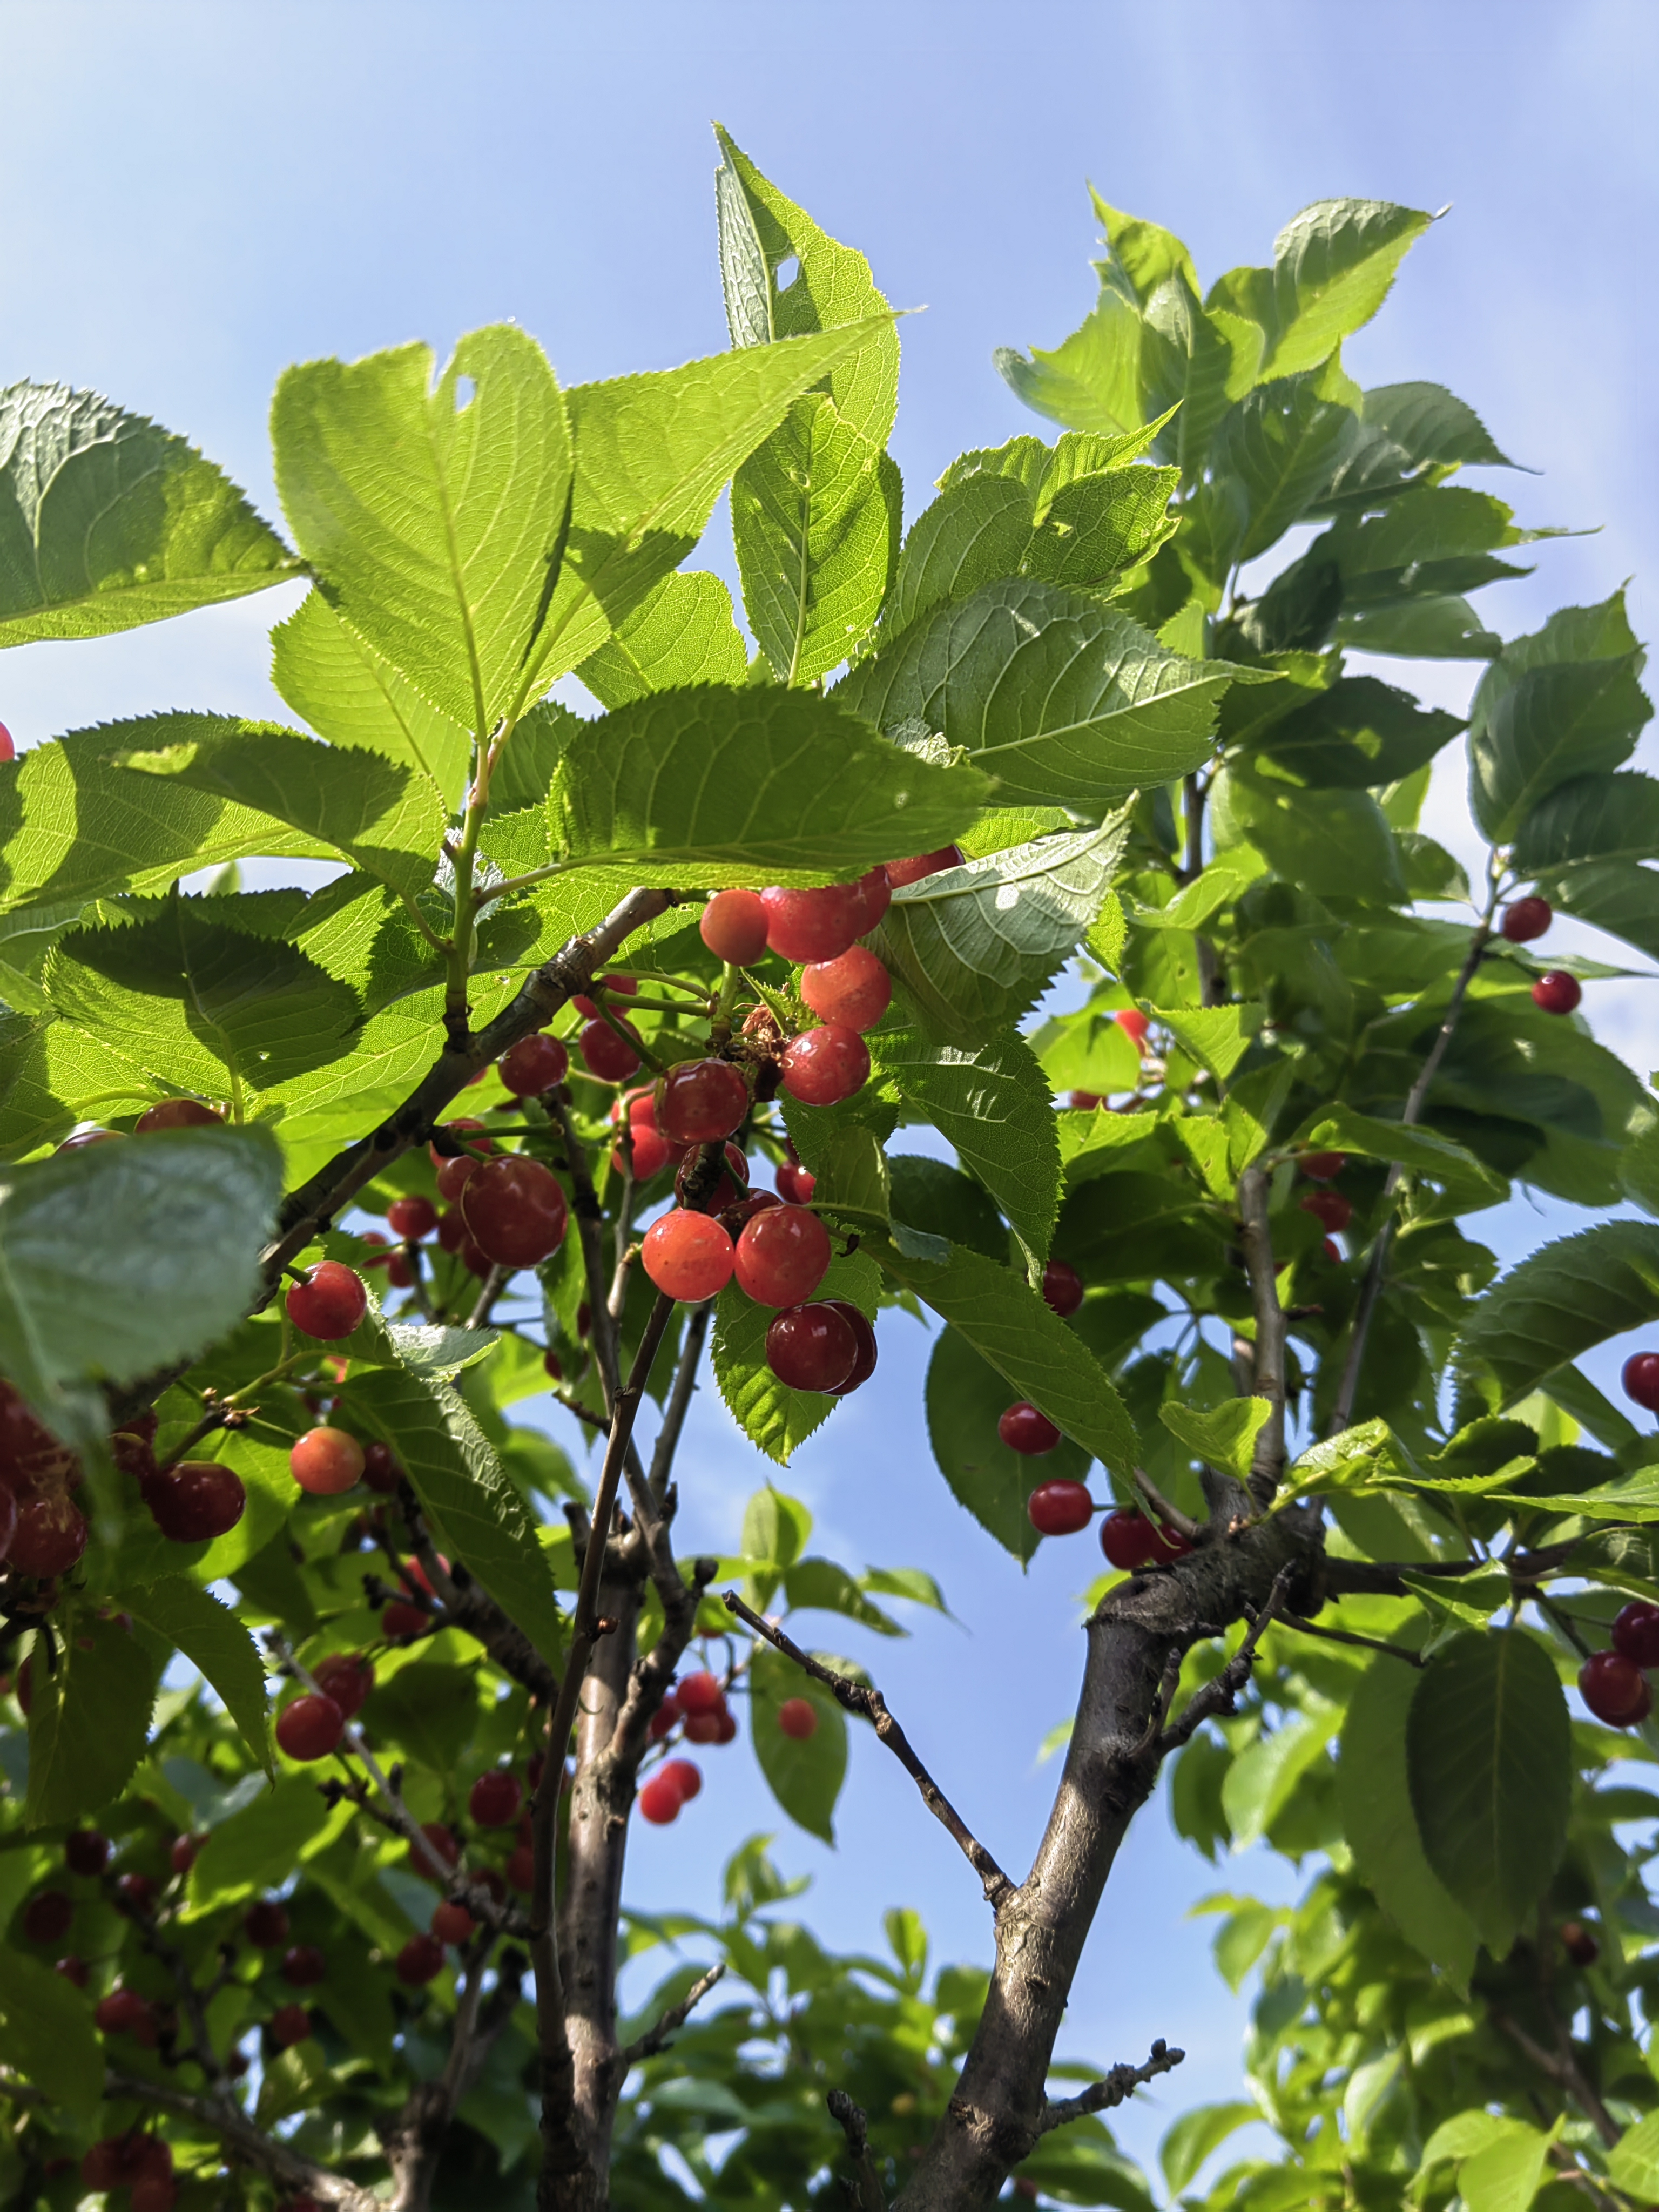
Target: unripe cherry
(782, 1256)
(412, 1217)
(1060, 1507)
(688, 1255)
(797, 1717)
(900, 873)
(701, 1101)
(854, 991)
(1525, 918)
(733, 928)
(1026, 1430)
(811, 1347)
(177, 1113)
(330, 1303)
(822, 1066)
(1062, 1288)
(1557, 993)
(515, 1209)
(310, 1728)
(495, 1798)
(607, 1055)
(325, 1462)
(1616, 1690)
(196, 1502)
(535, 1064)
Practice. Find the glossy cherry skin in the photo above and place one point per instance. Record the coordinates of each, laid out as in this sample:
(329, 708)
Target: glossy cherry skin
(412, 1217)
(183, 1851)
(864, 1365)
(782, 1255)
(701, 1101)
(812, 1347)
(823, 1066)
(795, 1183)
(495, 1799)
(325, 1462)
(733, 926)
(648, 1151)
(177, 1113)
(700, 1694)
(688, 1255)
(1128, 1540)
(50, 1536)
(420, 1961)
(1525, 918)
(686, 1777)
(1557, 993)
(515, 1209)
(1060, 1507)
(330, 1302)
(381, 1470)
(1135, 1025)
(196, 1502)
(853, 992)
(798, 1718)
(1062, 1288)
(310, 1728)
(1328, 1207)
(803, 926)
(1615, 1689)
(1322, 1167)
(1641, 1379)
(1029, 1433)
(347, 1677)
(607, 1055)
(124, 2012)
(535, 1064)
(1636, 1634)
(900, 873)
(659, 1801)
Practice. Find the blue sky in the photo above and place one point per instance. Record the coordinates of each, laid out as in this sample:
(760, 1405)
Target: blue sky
(197, 194)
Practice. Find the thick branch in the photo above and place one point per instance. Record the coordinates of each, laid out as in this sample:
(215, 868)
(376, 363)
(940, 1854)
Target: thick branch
(865, 2192)
(871, 1705)
(468, 1604)
(1220, 1694)
(658, 2037)
(297, 2175)
(1119, 2085)
(1267, 1460)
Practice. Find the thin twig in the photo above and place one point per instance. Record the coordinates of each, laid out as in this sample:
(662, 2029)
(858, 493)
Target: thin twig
(1171, 1515)
(866, 2192)
(1349, 1635)
(1218, 1696)
(296, 2175)
(1116, 2088)
(869, 1704)
(679, 1397)
(1566, 2074)
(213, 1418)
(590, 1229)
(467, 1604)
(656, 2037)
(491, 1288)
(1267, 1366)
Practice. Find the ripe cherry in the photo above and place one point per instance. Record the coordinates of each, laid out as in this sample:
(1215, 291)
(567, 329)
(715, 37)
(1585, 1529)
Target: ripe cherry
(1025, 1429)
(717, 1726)
(733, 928)
(289, 2023)
(1083, 1102)
(495, 1798)
(607, 1055)
(420, 1961)
(624, 987)
(701, 1101)
(864, 1363)
(177, 1113)
(381, 1469)
(452, 1923)
(1641, 1379)
(1579, 1943)
(1615, 1689)
(1128, 1540)
(812, 1347)
(399, 1620)
(412, 1217)
(814, 924)
(265, 1925)
(659, 1801)
(686, 1777)
(1322, 1167)
(8, 745)
(453, 1169)
(196, 1501)
(50, 1536)
(1557, 993)
(153, 2192)
(304, 1966)
(347, 1677)
(521, 1868)
(782, 1255)
(1331, 1251)
(1060, 1507)
(184, 1852)
(651, 1151)
(795, 1183)
(1328, 1207)
(124, 2012)
(73, 1968)
(9, 1517)
(663, 1720)
(515, 1209)
(310, 1728)
(325, 1462)
(1636, 1633)
(1062, 1288)
(700, 1694)
(822, 1066)
(452, 1230)
(47, 1917)
(1524, 918)
(912, 871)
(137, 1890)
(1135, 1025)
(798, 1718)
(688, 1255)
(330, 1302)
(853, 992)
(535, 1064)
(85, 1851)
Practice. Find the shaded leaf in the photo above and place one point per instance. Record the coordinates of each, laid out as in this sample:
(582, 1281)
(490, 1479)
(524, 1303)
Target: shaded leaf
(965, 1398)
(803, 1774)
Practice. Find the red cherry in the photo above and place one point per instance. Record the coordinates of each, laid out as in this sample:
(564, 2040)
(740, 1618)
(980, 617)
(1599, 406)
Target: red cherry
(399, 1271)
(9, 1517)
(1025, 1429)
(873, 895)
(29, 1453)
(535, 1064)
(700, 1694)
(381, 1470)
(1083, 1102)
(795, 1183)
(864, 1362)
(50, 1536)
(138, 1889)
(726, 1727)
(607, 1055)
(1615, 1689)
(625, 986)
(659, 1801)
(781, 1256)
(1328, 1207)
(822, 1066)
(452, 1230)
(325, 1462)
(412, 1217)
(309, 1727)
(813, 925)
(177, 1113)
(1526, 918)
(1557, 993)
(452, 1923)
(346, 1677)
(651, 1151)
(153, 2192)
(124, 2012)
(289, 2023)
(900, 873)
(733, 928)
(1135, 1025)
(1060, 1507)
(73, 1969)
(686, 1777)
(1579, 1944)
(185, 1852)
(85, 1851)
(1331, 1251)
(663, 1720)
(1062, 1288)
(1641, 1379)
(811, 1347)
(495, 1798)
(304, 1966)
(399, 1620)
(521, 1868)
(265, 1925)
(330, 1302)
(79, 1140)
(709, 1727)
(1128, 1540)
(515, 1209)
(1636, 1633)
(47, 1917)
(687, 1255)
(8, 746)
(195, 1502)
(798, 1718)
(701, 1101)
(1322, 1167)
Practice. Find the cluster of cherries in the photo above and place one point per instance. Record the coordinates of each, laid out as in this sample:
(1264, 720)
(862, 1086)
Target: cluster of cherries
(698, 1706)
(1525, 919)
(1614, 1684)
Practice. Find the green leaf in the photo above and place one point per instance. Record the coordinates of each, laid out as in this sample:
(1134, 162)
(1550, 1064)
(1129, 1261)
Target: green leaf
(207, 1009)
(1566, 1297)
(1336, 844)
(118, 1260)
(1332, 267)
(1217, 1037)
(476, 1515)
(1489, 1754)
(1506, 2174)
(217, 1645)
(978, 529)
(1263, 1779)
(108, 520)
(1224, 1438)
(1616, 895)
(260, 1844)
(683, 632)
(1357, 735)
(824, 1586)
(89, 1721)
(1277, 448)
(777, 1419)
(711, 786)
(1552, 722)
(1200, 362)
(1374, 1795)
(352, 696)
(803, 1774)
(1634, 2165)
(427, 1710)
(1031, 1348)
(965, 1398)
(1406, 428)
(1467, 1185)
(942, 1201)
(774, 1529)
(1442, 627)
(1195, 2135)
(1590, 818)
(1064, 700)
(992, 1104)
(976, 946)
(1095, 525)
(46, 2035)
(1092, 380)
(435, 522)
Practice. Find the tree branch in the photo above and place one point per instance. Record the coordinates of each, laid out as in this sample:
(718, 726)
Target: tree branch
(871, 1705)
(232, 2127)
(1566, 2074)
(866, 2192)
(680, 1397)
(656, 2037)
(1117, 2087)
(469, 1605)
(1220, 1694)
(1256, 1235)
